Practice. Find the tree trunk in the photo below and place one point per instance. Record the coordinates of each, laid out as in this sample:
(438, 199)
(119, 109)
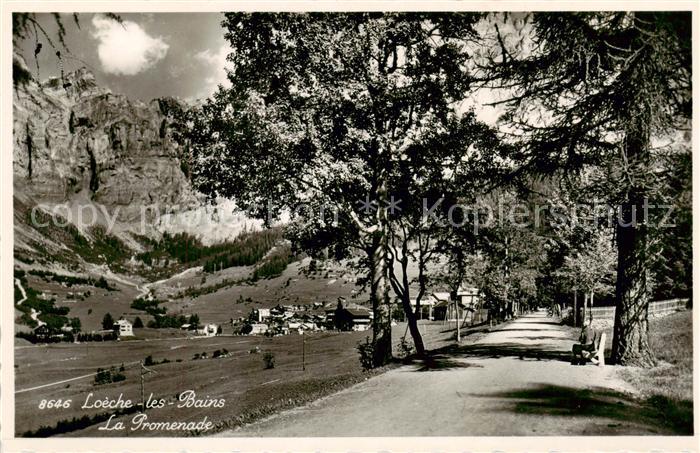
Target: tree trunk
(413, 326)
(381, 305)
(381, 323)
(630, 335)
(403, 290)
(458, 321)
(575, 310)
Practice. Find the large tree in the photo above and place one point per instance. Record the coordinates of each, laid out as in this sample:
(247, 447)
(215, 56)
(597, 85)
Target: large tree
(597, 89)
(322, 109)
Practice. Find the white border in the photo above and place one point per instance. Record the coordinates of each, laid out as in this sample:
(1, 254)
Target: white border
(9, 443)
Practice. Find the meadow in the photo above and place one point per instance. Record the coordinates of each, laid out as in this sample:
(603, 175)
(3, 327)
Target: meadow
(250, 390)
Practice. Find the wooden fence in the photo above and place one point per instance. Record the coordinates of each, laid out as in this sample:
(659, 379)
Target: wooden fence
(662, 307)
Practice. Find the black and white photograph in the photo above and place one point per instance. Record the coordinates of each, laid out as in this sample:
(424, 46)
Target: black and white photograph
(349, 224)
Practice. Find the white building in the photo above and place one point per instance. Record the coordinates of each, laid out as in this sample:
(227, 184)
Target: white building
(209, 330)
(123, 328)
(259, 329)
(261, 314)
(469, 296)
(426, 307)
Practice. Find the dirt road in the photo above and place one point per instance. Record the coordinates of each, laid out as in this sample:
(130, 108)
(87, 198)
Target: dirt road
(514, 381)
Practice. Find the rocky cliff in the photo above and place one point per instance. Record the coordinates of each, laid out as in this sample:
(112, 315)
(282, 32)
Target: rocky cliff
(73, 138)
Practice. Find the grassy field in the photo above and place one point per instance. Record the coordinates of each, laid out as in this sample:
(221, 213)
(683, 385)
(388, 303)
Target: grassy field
(250, 390)
(668, 387)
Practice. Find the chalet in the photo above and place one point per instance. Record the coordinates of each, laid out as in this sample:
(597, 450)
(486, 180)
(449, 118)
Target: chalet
(470, 300)
(444, 306)
(426, 307)
(43, 332)
(330, 317)
(260, 314)
(360, 318)
(301, 326)
(123, 328)
(208, 330)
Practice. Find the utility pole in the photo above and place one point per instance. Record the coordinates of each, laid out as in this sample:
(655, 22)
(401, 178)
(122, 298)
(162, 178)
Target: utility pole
(143, 401)
(506, 274)
(457, 318)
(303, 350)
(144, 371)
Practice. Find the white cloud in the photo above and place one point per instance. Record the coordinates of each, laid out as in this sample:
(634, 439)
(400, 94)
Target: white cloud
(126, 49)
(216, 68)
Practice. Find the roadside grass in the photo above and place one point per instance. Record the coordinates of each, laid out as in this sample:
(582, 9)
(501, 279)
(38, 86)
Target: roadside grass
(668, 387)
(288, 395)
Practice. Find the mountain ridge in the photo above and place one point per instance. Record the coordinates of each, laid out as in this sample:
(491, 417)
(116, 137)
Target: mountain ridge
(71, 136)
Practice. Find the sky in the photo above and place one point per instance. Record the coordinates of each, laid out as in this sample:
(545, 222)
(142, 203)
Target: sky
(150, 55)
(153, 55)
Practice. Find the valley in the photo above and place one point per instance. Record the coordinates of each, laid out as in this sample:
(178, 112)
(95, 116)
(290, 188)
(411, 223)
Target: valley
(108, 230)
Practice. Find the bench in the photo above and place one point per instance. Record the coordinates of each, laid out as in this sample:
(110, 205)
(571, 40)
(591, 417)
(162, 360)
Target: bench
(600, 353)
(581, 357)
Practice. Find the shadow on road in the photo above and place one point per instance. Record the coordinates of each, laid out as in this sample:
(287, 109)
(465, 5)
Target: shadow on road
(441, 362)
(541, 337)
(517, 329)
(536, 351)
(618, 408)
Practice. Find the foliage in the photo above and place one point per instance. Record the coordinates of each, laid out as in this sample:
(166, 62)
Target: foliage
(167, 321)
(327, 123)
(245, 250)
(108, 376)
(193, 291)
(405, 348)
(33, 338)
(274, 263)
(193, 321)
(150, 306)
(597, 115)
(269, 360)
(54, 317)
(85, 337)
(28, 25)
(76, 325)
(99, 246)
(102, 283)
(107, 322)
(220, 353)
(366, 351)
(77, 423)
(70, 280)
